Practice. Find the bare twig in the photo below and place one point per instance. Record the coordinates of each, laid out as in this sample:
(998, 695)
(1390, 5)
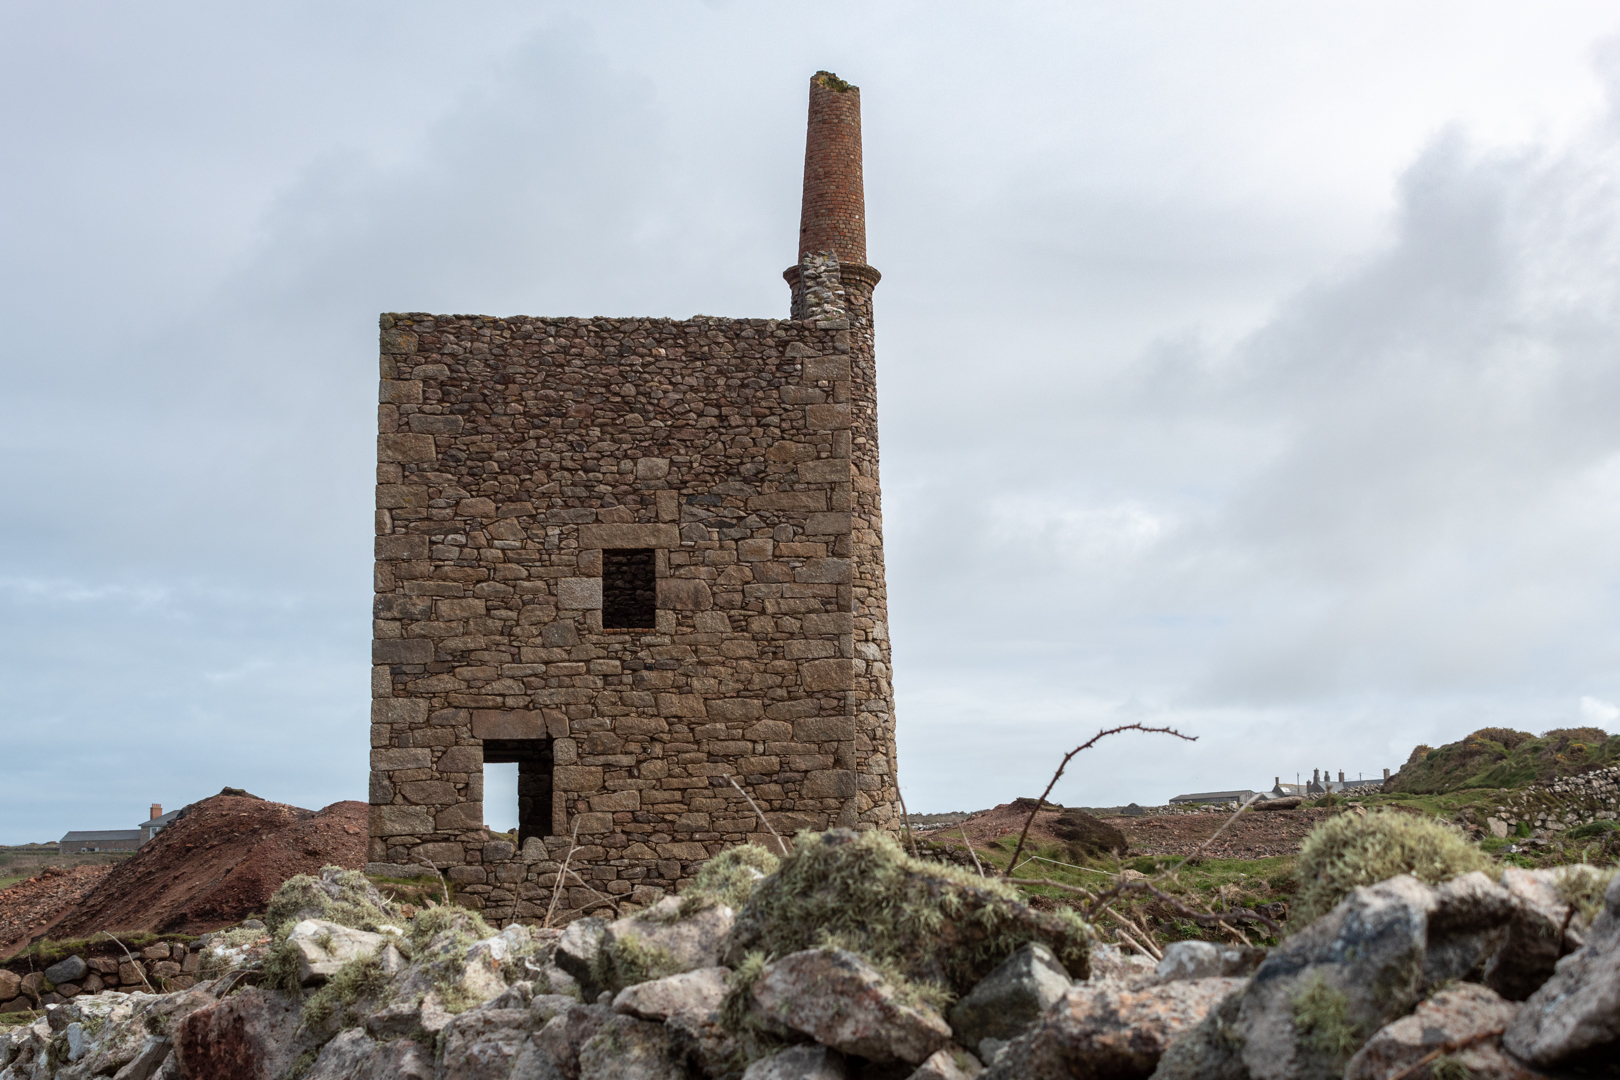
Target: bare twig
(443, 888)
(137, 964)
(969, 844)
(905, 815)
(1148, 949)
(761, 813)
(1177, 868)
(604, 897)
(1064, 764)
(1444, 1049)
(573, 845)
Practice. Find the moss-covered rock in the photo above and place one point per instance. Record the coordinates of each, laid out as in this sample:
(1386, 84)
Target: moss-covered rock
(931, 923)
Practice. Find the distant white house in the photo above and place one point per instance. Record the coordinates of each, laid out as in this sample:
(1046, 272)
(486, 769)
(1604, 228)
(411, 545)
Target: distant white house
(119, 839)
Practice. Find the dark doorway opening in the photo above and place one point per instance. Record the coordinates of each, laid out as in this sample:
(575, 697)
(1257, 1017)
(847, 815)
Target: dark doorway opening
(629, 589)
(534, 762)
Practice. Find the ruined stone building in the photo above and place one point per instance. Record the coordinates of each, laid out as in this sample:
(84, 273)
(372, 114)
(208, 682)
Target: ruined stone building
(642, 558)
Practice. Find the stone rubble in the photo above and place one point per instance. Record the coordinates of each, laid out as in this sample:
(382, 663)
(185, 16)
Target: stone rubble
(1398, 972)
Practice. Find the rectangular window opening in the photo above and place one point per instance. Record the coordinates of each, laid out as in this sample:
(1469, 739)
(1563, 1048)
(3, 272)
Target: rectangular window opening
(534, 766)
(629, 589)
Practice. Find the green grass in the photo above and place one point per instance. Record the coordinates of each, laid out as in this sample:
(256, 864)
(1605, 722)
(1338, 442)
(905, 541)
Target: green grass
(1506, 759)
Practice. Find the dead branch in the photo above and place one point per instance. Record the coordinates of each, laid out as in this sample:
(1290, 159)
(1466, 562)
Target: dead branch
(780, 842)
(1444, 1049)
(138, 968)
(573, 846)
(969, 845)
(1064, 764)
(905, 816)
(444, 889)
(1222, 918)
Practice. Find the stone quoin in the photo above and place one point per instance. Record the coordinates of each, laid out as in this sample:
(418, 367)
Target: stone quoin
(641, 558)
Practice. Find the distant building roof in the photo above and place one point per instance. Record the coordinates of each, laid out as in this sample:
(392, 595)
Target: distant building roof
(161, 820)
(105, 834)
(1211, 797)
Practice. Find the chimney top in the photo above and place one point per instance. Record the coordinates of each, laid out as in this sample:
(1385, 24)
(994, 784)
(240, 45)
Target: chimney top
(833, 217)
(1341, 776)
(157, 810)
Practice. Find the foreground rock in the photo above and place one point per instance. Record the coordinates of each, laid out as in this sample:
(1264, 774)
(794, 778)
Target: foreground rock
(1575, 1015)
(661, 941)
(839, 1000)
(323, 947)
(1543, 928)
(1108, 1031)
(1011, 997)
(800, 1063)
(1465, 1023)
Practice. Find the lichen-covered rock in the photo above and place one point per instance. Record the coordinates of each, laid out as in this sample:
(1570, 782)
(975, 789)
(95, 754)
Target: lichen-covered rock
(841, 1001)
(251, 1035)
(1107, 1031)
(344, 1057)
(1011, 997)
(335, 895)
(1467, 927)
(661, 941)
(1325, 990)
(800, 1063)
(577, 951)
(1543, 928)
(322, 947)
(629, 1049)
(483, 1044)
(1468, 1014)
(948, 1063)
(1113, 963)
(693, 993)
(565, 1033)
(1576, 1014)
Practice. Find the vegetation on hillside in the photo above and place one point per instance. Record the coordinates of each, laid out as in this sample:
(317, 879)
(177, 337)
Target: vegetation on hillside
(1504, 758)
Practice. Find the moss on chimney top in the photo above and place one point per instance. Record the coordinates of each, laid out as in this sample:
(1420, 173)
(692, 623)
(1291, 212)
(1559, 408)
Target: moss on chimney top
(832, 82)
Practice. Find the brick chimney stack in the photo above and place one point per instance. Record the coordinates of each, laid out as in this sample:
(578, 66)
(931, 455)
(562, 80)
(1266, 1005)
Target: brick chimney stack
(834, 214)
(832, 217)
(157, 811)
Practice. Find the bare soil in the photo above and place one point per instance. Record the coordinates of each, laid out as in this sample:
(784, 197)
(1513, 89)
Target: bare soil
(29, 908)
(216, 865)
(1254, 835)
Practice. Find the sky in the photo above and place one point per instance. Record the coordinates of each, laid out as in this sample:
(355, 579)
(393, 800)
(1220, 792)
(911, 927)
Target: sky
(1252, 368)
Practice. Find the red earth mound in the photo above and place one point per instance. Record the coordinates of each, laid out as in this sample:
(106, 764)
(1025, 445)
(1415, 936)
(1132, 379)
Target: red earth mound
(29, 907)
(219, 862)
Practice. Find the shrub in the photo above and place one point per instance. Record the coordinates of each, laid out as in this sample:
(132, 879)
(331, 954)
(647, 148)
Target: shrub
(1352, 850)
(1591, 828)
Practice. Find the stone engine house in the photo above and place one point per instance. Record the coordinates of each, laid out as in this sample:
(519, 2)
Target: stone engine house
(643, 559)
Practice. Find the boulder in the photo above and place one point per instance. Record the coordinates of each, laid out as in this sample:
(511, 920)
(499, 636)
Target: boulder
(1467, 926)
(1287, 802)
(1011, 997)
(344, 1058)
(403, 1059)
(251, 1035)
(841, 1001)
(1542, 929)
(659, 941)
(1321, 993)
(800, 1063)
(577, 949)
(1106, 1031)
(629, 1049)
(948, 1063)
(1469, 1017)
(1112, 962)
(483, 1043)
(67, 970)
(10, 984)
(1203, 960)
(1575, 1014)
(323, 947)
(565, 1033)
(695, 993)
(155, 1049)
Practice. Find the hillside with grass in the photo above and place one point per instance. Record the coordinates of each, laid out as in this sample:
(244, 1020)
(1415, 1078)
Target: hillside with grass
(1504, 758)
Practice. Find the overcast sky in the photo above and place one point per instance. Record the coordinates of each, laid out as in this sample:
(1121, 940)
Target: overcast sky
(1248, 367)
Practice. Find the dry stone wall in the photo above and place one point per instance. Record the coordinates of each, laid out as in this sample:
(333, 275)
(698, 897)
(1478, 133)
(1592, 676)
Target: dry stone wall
(1552, 806)
(511, 454)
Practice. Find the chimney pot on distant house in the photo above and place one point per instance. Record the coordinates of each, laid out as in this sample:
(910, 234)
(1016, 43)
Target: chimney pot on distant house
(1386, 774)
(1341, 776)
(1276, 781)
(157, 810)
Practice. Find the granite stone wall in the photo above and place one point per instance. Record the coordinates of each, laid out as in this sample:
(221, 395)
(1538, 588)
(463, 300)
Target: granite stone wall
(511, 454)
